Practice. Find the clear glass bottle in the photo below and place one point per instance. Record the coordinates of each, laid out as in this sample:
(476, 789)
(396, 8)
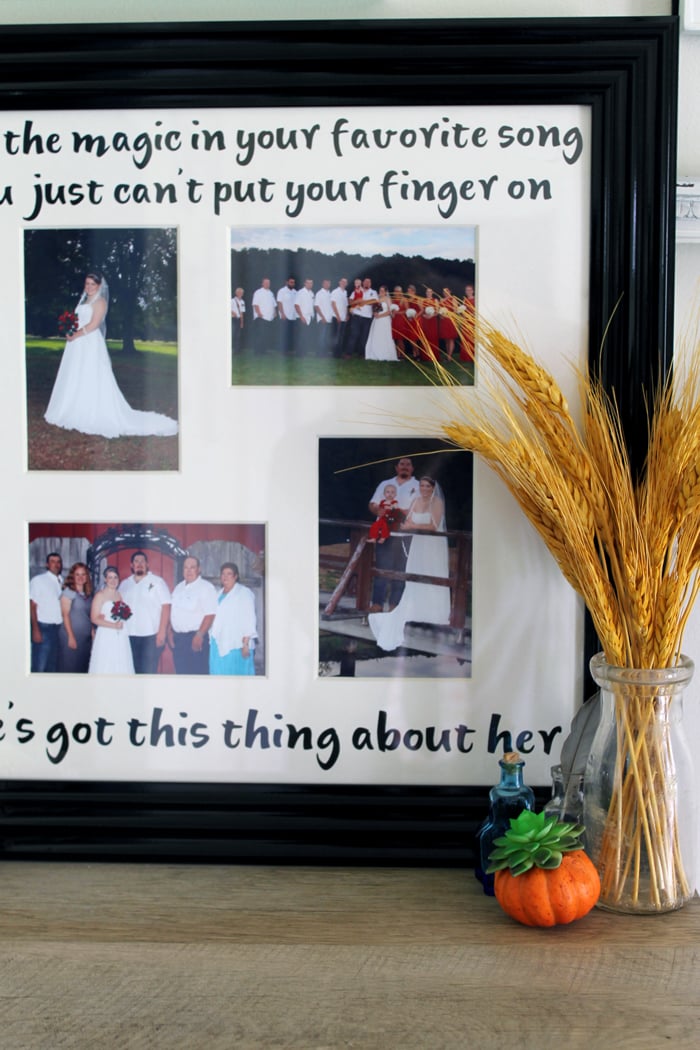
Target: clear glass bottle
(507, 799)
(640, 808)
(566, 802)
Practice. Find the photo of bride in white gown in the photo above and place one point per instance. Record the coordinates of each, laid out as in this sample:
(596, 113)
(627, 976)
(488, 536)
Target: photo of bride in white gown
(85, 395)
(428, 556)
(111, 649)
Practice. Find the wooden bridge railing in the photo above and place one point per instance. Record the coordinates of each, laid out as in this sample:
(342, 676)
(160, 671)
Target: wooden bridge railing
(360, 567)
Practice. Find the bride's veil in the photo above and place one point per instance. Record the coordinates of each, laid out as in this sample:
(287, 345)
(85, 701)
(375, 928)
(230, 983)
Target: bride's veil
(102, 293)
(439, 494)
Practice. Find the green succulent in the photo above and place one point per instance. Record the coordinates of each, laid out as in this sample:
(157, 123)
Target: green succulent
(533, 840)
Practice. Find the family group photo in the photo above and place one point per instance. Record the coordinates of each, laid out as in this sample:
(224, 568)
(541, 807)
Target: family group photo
(101, 349)
(123, 599)
(395, 558)
(351, 306)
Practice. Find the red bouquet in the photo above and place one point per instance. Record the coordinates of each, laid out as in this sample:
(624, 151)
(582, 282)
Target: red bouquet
(68, 323)
(120, 611)
(394, 517)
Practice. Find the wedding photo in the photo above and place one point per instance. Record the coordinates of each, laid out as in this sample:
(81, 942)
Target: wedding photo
(395, 558)
(351, 305)
(101, 336)
(123, 599)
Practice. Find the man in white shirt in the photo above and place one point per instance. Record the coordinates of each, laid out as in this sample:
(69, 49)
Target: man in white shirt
(45, 614)
(286, 301)
(304, 306)
(264, 317)
(323, 308)
(339, 306)
(237, 320)
(393, 553)
(360, 322)
(192, 614)
(149, 599)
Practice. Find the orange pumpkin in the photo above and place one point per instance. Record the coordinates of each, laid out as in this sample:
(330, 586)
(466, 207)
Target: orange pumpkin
(549, 896)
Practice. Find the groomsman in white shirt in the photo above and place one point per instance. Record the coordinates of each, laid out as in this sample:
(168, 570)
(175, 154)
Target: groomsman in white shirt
(339, 306)
(286, 301)
(306, 325)
(192, 614)
(323, 306)
(45, 614)
(264, 317)
(237, 320)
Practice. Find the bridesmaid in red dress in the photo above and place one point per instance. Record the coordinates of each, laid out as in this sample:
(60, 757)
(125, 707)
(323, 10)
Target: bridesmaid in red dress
(430, 344)
(413, 316)
(447, 329)
(466, 343)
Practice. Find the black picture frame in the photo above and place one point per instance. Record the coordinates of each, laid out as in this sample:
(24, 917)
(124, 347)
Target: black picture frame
(625, 69)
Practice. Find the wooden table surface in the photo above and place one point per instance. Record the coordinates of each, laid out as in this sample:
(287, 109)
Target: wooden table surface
(173, 956)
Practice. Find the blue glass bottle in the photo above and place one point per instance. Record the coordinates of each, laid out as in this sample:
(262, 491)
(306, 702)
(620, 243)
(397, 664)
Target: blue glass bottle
(506, 799)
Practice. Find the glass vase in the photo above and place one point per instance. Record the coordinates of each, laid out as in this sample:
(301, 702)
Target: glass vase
(639, 795)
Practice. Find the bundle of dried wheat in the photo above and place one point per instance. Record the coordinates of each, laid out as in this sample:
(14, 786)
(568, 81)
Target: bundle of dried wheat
(630, 546)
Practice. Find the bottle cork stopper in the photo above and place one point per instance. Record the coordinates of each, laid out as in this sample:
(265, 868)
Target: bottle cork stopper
(511, 757)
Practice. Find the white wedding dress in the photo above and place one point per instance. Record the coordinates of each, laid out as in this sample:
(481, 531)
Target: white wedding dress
(420, 602)
(111, 649)
(380, 346)
(86, 396)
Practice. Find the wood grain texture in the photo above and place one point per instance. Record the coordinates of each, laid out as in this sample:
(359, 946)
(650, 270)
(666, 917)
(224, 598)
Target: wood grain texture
(183, 957)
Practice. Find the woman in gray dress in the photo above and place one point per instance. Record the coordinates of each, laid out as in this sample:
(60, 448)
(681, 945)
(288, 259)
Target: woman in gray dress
(75, 632)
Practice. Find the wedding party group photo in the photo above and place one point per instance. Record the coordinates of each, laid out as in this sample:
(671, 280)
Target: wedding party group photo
(395, 558)
(351, 306)
(101, 344)
(129, 598)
